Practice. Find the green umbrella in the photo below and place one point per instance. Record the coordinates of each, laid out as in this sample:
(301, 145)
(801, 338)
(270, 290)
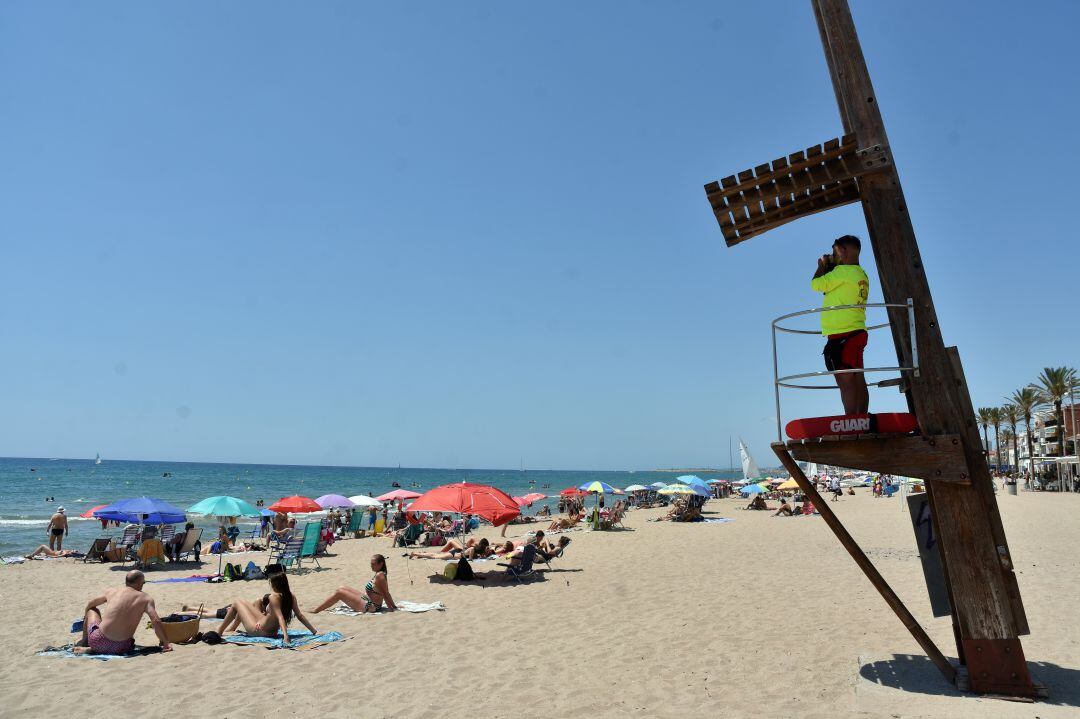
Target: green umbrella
(224, 506)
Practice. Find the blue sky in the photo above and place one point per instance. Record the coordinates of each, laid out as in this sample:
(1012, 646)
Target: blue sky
(459, 235)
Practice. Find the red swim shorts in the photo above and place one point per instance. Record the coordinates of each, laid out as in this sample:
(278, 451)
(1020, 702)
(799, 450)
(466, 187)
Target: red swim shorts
(845, 351)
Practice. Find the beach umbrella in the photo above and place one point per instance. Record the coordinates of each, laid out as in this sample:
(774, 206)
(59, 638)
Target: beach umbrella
(295, 505)
(790, 484)
(141, 510)
(535, 497)
(571, 492)
(397, 494)
(637, 488)
(267, 512)
(520, 501)
(224, 506)
(677, 489)
(362, 500)
(598, 487)
(753, 489)
(658, 485)
(688, 479)
(334, 501)
(715, 481)
(485, 502)
(89, 514)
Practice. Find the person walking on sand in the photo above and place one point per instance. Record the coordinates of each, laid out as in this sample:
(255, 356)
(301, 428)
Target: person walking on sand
(57, 529)
(114, 633)
(834, 487)
(843, 282)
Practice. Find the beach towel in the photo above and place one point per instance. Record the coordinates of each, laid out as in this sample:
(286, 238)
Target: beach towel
(411, 607)
(297, 640)
(68, 652)
(718, 520)
(12, 560)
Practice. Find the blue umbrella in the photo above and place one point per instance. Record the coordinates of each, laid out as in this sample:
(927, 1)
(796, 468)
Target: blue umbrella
(752, 489)
(691, 480)
(142, 510)
(267, 512)
(688, 478)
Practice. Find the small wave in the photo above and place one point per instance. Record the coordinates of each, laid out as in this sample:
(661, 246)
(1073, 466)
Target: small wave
(23, 522)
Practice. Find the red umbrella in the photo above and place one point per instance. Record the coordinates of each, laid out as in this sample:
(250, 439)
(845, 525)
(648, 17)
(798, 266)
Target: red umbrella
(397, 494)
(572, 492)
(534, 497)
(490, 503)
(89, 514)
(295, 505)
(521, 501)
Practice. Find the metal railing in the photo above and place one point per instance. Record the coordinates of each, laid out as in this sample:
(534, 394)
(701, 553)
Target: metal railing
(788, 380)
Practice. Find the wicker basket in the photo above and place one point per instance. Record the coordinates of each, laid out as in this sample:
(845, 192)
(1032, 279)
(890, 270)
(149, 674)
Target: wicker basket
(180, 632)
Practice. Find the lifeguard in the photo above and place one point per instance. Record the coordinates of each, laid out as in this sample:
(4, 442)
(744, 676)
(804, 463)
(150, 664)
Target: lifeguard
(844, 282)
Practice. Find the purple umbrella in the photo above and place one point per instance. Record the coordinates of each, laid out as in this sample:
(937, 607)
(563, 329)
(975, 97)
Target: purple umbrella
(332, 501)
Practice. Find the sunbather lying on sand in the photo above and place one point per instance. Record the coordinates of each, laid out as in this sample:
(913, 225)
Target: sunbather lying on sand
(453, 549)
(44, 549)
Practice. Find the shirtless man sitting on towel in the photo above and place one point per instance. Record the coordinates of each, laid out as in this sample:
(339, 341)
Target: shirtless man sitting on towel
(115, 632)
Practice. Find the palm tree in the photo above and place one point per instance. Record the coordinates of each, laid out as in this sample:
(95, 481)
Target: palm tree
(995, 417)
(1006, 436)
(1026, 399)
(984, 420)
(1010, 413)
(1053, 385)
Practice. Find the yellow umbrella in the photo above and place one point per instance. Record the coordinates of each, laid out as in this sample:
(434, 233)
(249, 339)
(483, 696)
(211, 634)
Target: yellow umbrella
(790, 484)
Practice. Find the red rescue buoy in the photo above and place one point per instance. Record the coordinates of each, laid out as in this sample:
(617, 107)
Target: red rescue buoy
(849, 424)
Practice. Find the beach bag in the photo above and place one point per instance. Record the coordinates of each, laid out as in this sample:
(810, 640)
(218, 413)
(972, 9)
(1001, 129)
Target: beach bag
(450, 571)
(464, 571)
(253, 572)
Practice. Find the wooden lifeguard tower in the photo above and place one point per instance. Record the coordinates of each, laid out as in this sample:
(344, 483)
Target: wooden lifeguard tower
(984, 600)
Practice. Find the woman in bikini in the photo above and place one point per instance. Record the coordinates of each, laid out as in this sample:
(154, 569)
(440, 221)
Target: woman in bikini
(375, 593)
(279, 611)
(453, 549)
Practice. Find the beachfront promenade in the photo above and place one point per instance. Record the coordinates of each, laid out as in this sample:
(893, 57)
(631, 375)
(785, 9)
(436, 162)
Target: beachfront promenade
(760, 616)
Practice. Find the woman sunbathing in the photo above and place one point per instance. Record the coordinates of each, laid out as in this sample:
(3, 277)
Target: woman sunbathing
(376, 592)
(453, 549)
(48, 552)
(279, 611)
(565, 523)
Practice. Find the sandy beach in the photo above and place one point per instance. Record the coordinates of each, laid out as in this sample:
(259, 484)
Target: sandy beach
(760, 616)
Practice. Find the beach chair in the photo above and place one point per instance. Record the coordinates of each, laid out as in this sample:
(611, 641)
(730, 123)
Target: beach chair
(127, 543)
(166, 533)
(309, 543)
(355, 522)
(97, 549)
(525, 567)
(288, 554)
(187, 549)
(410, 535)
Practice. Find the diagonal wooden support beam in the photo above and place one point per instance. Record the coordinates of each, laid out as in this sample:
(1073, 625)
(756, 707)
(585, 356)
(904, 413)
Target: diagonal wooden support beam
(868, 568)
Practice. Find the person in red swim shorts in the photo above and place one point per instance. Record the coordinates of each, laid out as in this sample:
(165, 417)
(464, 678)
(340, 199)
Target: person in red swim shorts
(845, 284)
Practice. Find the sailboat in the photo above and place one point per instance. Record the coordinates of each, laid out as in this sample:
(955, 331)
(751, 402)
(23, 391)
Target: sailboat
(750, 470)
(97, 458)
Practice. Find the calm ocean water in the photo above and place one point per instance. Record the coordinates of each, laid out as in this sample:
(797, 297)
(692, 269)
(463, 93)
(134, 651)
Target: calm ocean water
(79, 484)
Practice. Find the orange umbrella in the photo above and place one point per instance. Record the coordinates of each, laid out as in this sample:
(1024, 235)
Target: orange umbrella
(89, 514)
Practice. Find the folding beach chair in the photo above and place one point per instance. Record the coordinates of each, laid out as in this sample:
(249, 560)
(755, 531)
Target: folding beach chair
(525, 567)
(166, 533)
(288, 555)
(187, 549)
(97, 549)
(127, 543)
(309, 546)
(355, 522)
(410, 535)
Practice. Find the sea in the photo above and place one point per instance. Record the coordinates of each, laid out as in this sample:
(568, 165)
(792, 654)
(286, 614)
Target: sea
(32, 488)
